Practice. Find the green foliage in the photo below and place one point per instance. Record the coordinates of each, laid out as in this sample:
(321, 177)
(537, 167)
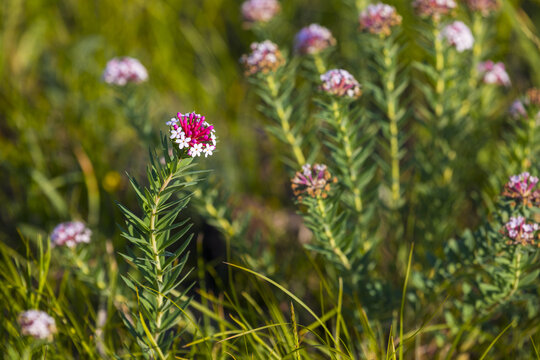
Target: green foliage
(233, 266)
(158, 251)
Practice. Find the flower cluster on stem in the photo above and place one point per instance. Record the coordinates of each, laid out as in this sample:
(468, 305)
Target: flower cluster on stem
(124, 70)
(313, 39)
(340, 83)
(379, 19)
(191, 131)
(265, 57)
(70, 234)
(520, 232)
(261, 11)
(312, 180)
(37, 324)
(494, 73)
(434, 9)
(522, 188)
(484, 7)
(458, 35)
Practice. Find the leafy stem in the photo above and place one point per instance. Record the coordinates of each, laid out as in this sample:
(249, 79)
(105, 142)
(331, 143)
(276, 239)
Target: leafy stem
(330, 235)
(283, 115)
(340, 123)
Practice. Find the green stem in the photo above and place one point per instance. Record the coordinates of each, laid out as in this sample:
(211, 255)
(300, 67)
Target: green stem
(340, 124)
(156, 255)
(389, 86)
(319, 64)
(439, 66)
(331, 239)
(283, 117)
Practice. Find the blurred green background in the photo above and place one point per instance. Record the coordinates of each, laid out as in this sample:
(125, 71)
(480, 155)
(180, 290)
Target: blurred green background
(65, 142)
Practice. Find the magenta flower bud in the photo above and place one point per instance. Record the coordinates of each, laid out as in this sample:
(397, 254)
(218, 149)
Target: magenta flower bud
(434, 9)
(264, 57)
(341, 83)
(520, 232)
(494, 73)
(37, 324)
(379, 19)
(193, 133)
(484, 7)
(314, 181)
(124, 70)
(70, 234)
(458, 35)
(259, 10)
(313, 39)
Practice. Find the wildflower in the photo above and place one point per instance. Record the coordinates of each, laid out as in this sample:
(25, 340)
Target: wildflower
(124, 70)
(191, 131)
(494, 73)
(519, 231)
(484, 7)
(517, 110)
(259, 10)
(522, 187)
(458, 35)
(315, 181)
(37, 324)
(70, 234)
(265, 57)
(341, 83)
(533, 96)
(379, 19)
(434, 8)
(313, 39)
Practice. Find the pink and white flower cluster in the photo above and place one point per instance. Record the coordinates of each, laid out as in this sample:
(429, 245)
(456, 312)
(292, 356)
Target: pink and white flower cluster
(70, 234)
(522, 187)
(312, 180)
(494, 73)
(434, 8)
(259, 10)
(520, 232)
(379, 19)
(341, 83)
(265, 57)
(485, 7)
(123, 70)
(458, 35)
(191, 131)
(313, 39)
(37, 324)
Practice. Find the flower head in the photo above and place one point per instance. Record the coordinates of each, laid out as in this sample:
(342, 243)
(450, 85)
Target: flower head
(533, 96)
(37, 324)
(314, 180)
(522, 187)
(434, 8)
(123, 70)
(494, 73)
(517, 110)
(485, 7)
(340, 82)
(458, 35)
(519, 231)
(313, 39)
(191, 132)
(379, 19)
(265, 57)
(259, 10)
(70, 234)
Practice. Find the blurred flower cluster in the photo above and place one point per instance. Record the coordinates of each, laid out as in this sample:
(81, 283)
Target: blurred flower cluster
(124, 70)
